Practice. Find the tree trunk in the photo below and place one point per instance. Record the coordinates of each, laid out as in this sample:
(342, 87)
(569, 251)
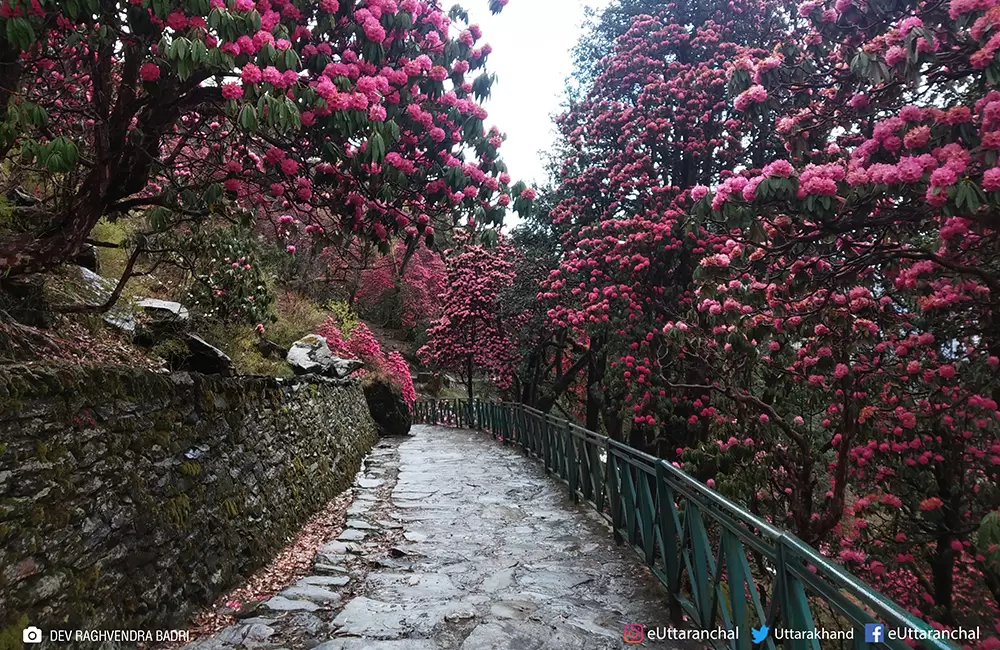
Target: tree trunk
(613, 424)
(30, 253)
(547, 401)
(595, 382)
(469, 360)
(468, 370)
(943, 574)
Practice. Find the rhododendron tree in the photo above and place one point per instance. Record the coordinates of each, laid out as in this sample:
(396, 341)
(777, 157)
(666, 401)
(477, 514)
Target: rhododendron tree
(471, 337)
(550, 358)
(870, 249)
(799, 291)
(321, 117)
(655, 120)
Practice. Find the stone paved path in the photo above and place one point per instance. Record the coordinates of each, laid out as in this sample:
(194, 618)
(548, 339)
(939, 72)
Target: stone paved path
(455, 541)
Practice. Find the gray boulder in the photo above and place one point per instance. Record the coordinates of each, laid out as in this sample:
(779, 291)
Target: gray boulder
(166, 310)
(208, 359)
(312, 355)
(96, 289)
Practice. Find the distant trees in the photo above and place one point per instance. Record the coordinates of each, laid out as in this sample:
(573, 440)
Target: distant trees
(471, 337)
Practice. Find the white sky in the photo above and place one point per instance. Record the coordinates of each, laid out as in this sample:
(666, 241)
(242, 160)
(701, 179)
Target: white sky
(531, 57)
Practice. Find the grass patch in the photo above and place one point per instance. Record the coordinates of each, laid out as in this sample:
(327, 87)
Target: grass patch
(113, 260)
(296, 316)
(172, 351)
(240, 343)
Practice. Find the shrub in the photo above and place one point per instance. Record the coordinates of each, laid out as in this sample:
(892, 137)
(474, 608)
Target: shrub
(346, 319)
(363, 345)
(295, 316)
(398, 372)
(228, 284)
(171, 350)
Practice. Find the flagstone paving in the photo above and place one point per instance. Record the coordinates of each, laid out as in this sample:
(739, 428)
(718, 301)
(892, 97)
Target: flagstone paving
(454, 541)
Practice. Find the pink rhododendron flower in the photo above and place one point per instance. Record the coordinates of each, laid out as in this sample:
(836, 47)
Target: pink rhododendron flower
(149, 72)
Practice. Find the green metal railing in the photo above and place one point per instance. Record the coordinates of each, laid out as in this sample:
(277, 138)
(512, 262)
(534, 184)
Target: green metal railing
(723, 566)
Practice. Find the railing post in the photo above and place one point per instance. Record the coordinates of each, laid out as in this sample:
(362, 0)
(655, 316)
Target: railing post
(616, 506)
(594, 462)
(701, 582)
(736, 579)
(571, 466)
(548, 453)
(523, 436)
(669, 534)
(536, 436)
(646, 500)
(792, 600)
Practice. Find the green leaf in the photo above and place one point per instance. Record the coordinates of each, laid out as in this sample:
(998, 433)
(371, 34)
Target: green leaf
(159, 218)
(960, 196)
(70, 152)
(988, 539)
(393, 130)
(248, 118)
(181, 47)
(199, 53)
(213, 194)
(376, 147)
(291, 59)
(20, 32)
(295, 119)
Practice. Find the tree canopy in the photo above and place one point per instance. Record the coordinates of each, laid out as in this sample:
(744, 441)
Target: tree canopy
(335, 118)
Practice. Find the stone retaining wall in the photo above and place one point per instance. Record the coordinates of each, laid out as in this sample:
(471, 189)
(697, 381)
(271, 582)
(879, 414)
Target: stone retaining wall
(129, 499)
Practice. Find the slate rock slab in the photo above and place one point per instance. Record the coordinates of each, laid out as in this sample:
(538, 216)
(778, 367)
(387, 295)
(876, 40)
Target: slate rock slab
(311, 355)
(283, 604)
(311, 593)
(208, 359)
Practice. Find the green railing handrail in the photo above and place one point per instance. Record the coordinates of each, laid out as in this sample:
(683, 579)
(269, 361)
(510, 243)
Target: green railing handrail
(709, 580)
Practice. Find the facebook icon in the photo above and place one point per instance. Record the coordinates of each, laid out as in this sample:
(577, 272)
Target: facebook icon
(874, 632)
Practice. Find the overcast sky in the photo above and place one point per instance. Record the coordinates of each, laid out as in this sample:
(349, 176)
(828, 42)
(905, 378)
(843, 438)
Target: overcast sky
(531, 42)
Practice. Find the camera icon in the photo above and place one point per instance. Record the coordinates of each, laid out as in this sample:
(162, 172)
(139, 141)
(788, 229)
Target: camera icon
(31, 634)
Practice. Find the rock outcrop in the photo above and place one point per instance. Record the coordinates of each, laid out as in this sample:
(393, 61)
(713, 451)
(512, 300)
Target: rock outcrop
(388, 408)
(164, 310)
(311, 355)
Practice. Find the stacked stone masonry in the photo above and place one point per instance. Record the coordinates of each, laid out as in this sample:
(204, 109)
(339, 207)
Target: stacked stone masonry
(129, 499)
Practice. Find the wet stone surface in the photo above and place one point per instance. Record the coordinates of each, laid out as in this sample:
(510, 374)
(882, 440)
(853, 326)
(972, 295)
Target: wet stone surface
(455, 541)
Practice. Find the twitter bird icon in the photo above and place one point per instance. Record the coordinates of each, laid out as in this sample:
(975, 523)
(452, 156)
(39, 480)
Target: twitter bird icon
(760, 633)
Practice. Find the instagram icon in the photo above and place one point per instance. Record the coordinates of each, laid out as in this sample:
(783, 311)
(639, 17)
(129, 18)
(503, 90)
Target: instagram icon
(634, 633)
